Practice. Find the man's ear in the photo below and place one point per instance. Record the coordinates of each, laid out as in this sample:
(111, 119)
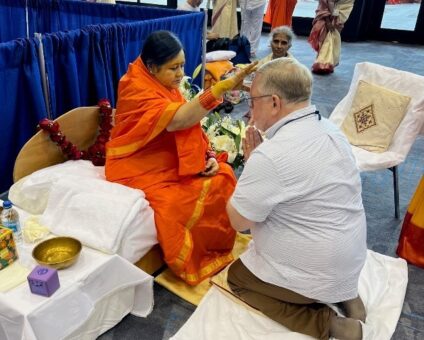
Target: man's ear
(276, 104)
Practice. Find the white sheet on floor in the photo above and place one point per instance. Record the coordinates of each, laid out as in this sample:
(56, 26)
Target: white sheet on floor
(382, 287)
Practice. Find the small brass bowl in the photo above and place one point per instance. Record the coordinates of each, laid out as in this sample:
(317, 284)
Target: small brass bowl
(57, 252)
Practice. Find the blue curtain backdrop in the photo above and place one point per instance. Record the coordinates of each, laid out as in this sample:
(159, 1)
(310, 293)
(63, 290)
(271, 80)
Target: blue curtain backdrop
(22, 101)
(86, 65)
(12, 20)
(83, 63)
(48, 16)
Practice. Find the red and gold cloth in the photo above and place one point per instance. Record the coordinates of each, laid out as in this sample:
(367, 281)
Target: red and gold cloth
(192, 226)
(411, 240)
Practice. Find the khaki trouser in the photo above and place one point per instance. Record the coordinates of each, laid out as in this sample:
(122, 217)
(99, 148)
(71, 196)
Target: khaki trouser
(294, 311)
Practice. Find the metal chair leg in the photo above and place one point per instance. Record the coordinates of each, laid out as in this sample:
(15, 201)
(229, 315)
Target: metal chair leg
(395, 189)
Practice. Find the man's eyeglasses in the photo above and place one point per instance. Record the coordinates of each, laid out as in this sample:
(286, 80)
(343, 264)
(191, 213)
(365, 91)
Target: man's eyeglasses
(251, 99)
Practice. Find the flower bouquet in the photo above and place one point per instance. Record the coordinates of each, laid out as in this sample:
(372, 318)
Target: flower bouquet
(187, 89)
(225, 135)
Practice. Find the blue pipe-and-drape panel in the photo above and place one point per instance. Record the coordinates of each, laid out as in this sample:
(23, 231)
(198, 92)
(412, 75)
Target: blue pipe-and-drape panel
(22, 101)
(85, 65)
(12, 20)
(48, 16)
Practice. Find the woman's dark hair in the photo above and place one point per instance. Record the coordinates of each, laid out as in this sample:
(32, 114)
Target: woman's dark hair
(160, 47)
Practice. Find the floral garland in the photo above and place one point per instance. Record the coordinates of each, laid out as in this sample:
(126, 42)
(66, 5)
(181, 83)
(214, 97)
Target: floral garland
(96, 152)
(225, 135)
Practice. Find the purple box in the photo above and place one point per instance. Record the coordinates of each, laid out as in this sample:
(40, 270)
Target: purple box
(43, 281)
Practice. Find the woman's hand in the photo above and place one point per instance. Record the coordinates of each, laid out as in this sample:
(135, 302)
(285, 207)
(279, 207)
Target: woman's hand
(212, 167)
(232, 82)
(251, 141)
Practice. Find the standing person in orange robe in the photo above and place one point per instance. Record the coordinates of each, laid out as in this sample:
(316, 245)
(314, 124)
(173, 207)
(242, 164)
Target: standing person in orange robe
(411, 239)
(158, 146)
(279, 12)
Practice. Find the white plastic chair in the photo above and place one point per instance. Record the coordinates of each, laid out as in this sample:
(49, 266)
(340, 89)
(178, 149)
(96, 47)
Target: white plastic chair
(412, 124)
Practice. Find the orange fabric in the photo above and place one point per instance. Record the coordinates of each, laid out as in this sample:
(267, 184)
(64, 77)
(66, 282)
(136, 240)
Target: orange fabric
(193, 228)
(215, 70)
(411, 240)
(279, 12)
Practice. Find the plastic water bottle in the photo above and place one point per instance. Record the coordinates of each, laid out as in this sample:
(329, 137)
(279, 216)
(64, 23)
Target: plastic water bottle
(10, 220)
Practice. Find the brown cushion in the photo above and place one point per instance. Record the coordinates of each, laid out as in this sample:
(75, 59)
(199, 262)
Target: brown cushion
(375, 115)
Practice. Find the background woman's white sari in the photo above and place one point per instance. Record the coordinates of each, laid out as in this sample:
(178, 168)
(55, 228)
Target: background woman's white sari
(325, 34)
(224, 18)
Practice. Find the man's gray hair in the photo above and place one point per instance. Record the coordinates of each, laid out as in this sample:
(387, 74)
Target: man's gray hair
(287, 78)
(286, 30)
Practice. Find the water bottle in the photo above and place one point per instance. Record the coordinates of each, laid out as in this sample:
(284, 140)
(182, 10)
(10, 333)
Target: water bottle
(10, 220)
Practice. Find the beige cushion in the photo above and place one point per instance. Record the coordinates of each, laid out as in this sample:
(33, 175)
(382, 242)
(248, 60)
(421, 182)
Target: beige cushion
(375, 114)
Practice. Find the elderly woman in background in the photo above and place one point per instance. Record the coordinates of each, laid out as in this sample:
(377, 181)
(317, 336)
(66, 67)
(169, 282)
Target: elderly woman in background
(158, 146)
(281, 41)
(325, 34)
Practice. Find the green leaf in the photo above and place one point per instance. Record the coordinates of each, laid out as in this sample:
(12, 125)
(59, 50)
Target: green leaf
(237, 141)
(227, 132)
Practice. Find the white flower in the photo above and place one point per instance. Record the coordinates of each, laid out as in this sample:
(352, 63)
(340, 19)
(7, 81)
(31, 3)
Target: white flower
(223, 143)
(204, 121)
(185, 88)
(225, 135)
(212, 130)
(228, 124)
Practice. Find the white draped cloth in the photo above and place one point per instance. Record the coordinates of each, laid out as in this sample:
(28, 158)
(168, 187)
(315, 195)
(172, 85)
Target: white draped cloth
(382, 286)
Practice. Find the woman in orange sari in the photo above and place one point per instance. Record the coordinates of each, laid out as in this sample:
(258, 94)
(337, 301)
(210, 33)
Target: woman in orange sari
(158, 146)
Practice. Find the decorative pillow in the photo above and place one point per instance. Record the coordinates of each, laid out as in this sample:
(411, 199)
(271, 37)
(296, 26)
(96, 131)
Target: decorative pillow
(375, 115)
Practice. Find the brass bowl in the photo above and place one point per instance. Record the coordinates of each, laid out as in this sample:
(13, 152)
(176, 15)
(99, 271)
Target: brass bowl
(57, 252)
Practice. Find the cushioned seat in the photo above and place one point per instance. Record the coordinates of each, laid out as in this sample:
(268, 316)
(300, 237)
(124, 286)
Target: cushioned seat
(405, 83)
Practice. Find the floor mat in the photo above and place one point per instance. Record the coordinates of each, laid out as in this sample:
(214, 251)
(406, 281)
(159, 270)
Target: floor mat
(194, 294)
(382, 286)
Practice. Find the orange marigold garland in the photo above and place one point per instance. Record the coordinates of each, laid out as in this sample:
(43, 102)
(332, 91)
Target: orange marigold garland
(96, 152)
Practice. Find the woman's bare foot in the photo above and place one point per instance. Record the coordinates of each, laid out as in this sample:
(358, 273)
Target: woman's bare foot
(354, 309)
(345, 328)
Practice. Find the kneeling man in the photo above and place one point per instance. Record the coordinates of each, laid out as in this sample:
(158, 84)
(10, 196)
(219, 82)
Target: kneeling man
(300, 196)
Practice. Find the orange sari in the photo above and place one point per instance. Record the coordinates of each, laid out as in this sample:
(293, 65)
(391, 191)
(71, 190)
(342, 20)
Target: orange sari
(280, 12)
(192, 226)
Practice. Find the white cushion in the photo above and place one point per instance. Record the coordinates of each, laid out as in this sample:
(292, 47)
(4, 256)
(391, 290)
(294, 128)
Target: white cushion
(219, 55)
(406, 83)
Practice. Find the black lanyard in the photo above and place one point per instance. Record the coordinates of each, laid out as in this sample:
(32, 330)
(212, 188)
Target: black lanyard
(309, 114)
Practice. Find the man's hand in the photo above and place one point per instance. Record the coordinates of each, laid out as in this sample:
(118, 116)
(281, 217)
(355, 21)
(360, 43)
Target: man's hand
(212, 167)
(251, 141)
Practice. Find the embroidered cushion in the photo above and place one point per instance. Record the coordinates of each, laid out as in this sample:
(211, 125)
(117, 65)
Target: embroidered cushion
(375, 114)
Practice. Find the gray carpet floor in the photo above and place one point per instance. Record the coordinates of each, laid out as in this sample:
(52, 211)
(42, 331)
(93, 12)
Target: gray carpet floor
(170, 312)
